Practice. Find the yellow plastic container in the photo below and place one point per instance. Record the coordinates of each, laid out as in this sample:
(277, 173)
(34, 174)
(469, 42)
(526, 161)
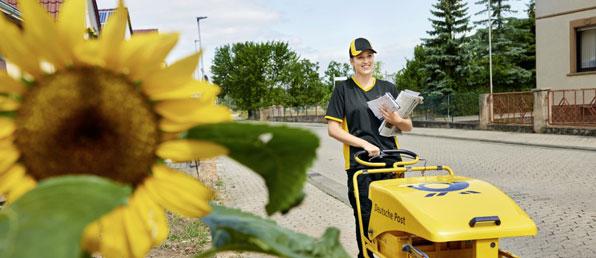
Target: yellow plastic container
(444, 216)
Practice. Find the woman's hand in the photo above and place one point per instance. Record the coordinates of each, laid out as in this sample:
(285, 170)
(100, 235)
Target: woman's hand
(372, 150)
(403, 124)
(391, 117)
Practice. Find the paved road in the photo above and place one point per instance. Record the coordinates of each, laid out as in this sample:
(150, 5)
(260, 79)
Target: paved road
(555, 186)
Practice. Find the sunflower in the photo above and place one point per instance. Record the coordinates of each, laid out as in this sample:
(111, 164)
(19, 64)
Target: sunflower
(108, 107)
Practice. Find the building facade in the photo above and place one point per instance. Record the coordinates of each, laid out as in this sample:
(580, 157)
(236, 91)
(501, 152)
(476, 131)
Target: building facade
(10, 10)
(565, 44)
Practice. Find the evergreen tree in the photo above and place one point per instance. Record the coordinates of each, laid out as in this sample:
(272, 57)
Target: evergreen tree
(513, 50)
(499, 10)
(443, 48)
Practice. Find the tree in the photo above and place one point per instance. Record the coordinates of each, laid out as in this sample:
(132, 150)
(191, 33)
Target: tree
(444, 47)
(377, 72)
(252, 74)
(413, 75)
(305, 88)
(334, 69)
(499, 9)
(513, 50)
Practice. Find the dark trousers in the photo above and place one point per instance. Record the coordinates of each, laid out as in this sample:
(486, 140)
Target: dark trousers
(364, 181)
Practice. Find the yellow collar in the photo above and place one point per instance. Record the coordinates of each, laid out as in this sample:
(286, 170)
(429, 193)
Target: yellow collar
(374, 82)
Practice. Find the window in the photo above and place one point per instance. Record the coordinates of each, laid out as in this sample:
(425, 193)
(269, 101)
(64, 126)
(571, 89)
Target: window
(586, 49)
(582, 46)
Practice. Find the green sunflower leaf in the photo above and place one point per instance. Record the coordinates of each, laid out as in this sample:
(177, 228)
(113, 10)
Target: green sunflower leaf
(234, 230)
(49, 220)
(279, 154)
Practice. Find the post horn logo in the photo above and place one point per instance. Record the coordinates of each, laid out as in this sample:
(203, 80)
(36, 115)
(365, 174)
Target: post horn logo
(441, 189)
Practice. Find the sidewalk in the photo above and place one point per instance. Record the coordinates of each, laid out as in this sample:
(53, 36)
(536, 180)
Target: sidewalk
(532, 139)
(245, 190)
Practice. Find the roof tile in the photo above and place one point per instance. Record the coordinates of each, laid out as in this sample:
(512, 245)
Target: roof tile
(52, 6)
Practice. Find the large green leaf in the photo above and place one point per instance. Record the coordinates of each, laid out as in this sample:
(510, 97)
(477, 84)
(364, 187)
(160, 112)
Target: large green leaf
(49, 220)
(232, 229)
(280, 154)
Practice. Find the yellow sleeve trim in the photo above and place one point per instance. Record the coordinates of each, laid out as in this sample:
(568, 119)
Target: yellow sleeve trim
(334, 119)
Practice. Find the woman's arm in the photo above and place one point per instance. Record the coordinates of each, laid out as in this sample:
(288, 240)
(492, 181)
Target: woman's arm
(403, 124)
(334, 129)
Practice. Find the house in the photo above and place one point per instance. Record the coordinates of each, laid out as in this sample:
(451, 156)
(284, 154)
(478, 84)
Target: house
(53, 7)
(565, 44)
(104, 14)
(10, 10)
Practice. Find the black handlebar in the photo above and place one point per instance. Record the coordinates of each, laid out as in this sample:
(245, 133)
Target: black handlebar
(384, 153)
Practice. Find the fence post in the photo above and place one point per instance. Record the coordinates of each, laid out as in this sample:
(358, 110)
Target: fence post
(484, 116)
(540, 112)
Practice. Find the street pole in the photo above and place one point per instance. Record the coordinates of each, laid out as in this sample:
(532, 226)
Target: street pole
(197, 50)
(199, 18)
(490, 46)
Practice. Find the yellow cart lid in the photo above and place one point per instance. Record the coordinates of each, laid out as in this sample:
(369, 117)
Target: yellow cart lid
(446, 208)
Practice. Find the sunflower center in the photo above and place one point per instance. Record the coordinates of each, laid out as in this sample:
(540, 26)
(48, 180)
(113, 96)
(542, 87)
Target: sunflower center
(87, 121)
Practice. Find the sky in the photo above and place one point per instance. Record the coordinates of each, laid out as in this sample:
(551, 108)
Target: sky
(319, 30)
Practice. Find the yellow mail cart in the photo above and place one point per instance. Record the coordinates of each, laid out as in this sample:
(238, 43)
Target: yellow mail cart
(438, 216)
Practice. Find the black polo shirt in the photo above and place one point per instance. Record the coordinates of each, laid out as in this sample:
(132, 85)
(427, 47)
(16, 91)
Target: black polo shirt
(348, 106)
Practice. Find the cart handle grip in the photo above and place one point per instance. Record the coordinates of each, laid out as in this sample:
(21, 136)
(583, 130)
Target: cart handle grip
(384, 153)
(494, 219)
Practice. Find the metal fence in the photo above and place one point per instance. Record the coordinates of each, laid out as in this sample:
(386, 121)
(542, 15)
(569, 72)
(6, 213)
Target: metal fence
(575, 107)
(512, 108)
(457, 107)
(460, 107)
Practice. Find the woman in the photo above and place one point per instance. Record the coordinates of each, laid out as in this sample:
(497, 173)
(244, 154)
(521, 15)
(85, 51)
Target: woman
(351, 122)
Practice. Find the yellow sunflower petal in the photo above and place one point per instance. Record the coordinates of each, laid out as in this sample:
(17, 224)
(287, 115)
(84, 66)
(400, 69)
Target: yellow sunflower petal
(91, 237)
(8, 104)
(6, 142)
(9, 85)
(8, 157)
(16, 50)
(10, 178)
(185, 182)
(192, 111)
(139, 240)
(172, 76)
(201, 90)
(145, 53)
(112, 37)
(71, 23)
(174, 127)
(24, 185)
(186, 150)
(152, 214)
(178, 192)
(113, 236)
(7, 127)
(41, 31)
(88, 53)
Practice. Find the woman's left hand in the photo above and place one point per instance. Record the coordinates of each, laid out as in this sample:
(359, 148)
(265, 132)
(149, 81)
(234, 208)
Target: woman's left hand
(391, 117)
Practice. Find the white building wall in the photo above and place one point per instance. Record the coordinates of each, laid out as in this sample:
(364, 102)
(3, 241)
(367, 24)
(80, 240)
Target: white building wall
(550, 7)
(553, 50)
